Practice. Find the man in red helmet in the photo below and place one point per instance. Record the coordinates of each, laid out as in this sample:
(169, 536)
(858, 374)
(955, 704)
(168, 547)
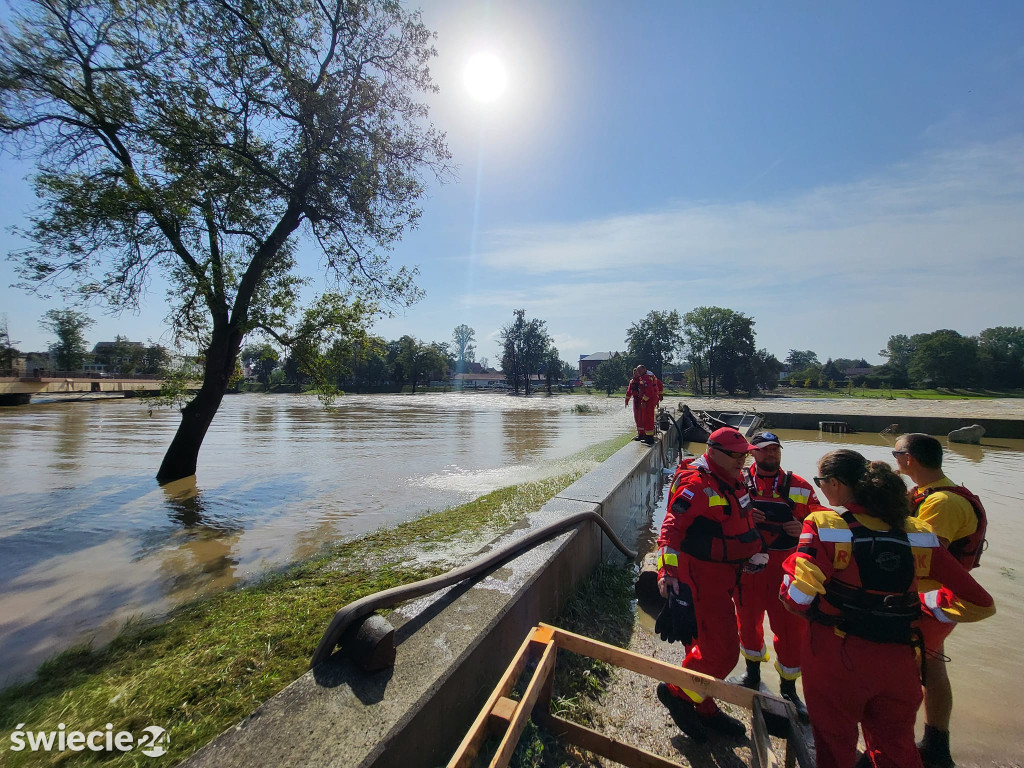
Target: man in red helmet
(646, 391)
(707, 539)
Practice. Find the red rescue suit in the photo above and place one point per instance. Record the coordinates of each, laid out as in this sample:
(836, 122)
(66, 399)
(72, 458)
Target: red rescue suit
(856, 580)
(646, 392)
(707, 536)
(782, 497)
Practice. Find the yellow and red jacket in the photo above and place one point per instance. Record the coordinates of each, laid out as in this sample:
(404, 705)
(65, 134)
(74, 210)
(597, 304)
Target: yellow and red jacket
(708, 518)
(854, 572)
(966, 548)
(782, 496)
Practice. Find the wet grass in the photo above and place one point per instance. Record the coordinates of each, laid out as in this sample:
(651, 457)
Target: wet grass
(210, 663)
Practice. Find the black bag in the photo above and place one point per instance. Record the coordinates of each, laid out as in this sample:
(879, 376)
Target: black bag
(678, 620)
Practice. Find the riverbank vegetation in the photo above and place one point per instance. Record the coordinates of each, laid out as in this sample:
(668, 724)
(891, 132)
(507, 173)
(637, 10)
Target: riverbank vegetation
(210, 663)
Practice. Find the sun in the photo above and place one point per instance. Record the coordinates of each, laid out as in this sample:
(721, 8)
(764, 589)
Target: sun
(485, 77)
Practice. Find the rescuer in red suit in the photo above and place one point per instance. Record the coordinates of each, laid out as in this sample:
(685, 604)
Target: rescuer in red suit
(646, 391)
(781, 502)
(708, 537)
(855, 576)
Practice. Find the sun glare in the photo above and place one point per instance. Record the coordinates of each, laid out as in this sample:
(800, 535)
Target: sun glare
(485, 77)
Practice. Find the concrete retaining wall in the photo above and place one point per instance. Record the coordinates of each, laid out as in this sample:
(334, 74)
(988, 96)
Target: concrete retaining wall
(929, 425)
(452, 647)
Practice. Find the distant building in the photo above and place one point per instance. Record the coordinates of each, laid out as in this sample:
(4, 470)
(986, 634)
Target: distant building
(589, 362)
(478, 380)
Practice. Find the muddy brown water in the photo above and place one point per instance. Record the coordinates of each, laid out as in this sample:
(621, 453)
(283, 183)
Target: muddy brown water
(88, 538)
(986, 666)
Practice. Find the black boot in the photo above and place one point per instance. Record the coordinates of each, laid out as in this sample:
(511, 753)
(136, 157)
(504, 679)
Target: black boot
(934, 748)
(788, 690)
(752, 679)
(683, 714)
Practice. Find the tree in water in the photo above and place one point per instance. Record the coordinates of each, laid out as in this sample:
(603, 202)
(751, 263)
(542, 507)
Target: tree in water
(201, 140)
(69, 351)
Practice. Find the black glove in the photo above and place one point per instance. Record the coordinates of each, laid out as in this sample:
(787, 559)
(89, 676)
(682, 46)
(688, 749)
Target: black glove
(677, 620)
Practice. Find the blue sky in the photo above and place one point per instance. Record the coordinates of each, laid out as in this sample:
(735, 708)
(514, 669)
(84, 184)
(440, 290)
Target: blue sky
(839, 172)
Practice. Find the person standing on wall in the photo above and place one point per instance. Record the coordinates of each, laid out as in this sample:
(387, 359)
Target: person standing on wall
(855, 576)
(958, 518)
(707, 539)
(781, 502)
(646, 391)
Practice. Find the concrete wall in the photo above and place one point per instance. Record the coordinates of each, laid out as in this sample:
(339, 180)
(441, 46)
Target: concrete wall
(452, 647)
(929, 425)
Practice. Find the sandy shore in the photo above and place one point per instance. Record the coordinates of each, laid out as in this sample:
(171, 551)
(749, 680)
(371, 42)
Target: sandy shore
(1000, 408)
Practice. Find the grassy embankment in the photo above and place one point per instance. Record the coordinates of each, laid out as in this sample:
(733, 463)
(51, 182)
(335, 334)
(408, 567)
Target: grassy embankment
(212, 662)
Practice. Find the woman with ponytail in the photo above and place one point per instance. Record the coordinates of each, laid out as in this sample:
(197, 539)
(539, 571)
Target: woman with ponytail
(854, 576)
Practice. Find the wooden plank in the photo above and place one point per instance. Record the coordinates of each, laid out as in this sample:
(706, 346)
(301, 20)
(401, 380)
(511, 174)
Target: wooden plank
(763, 754)
(501, 715)
(599, 744)
(474, 739)
(705, 685)
(797, 746)
(545, 669)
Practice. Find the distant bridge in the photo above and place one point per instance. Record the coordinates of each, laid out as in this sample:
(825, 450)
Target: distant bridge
(18, 390)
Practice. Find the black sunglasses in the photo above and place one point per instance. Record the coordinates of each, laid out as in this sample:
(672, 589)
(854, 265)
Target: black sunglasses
(731, 454)
(819, 480)
(896, 454)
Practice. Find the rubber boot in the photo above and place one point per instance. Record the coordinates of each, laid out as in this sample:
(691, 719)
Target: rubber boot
(712, 717)
(788, 690)
(752, 679)
(934, 748)
(684, 715)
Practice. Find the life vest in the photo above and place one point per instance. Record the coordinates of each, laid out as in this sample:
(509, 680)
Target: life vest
(776, 511)
(884, 606)
(967, 549)
(732, 540)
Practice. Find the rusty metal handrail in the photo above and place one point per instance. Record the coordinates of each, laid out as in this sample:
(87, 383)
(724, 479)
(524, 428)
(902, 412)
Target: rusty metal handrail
(363, 607)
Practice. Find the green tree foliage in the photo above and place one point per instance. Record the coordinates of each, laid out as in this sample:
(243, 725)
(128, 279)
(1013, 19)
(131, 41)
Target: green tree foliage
(654, 340)
(801, 359)
(552, 367)
(944, 358)
(898, 352)
(1001, 357)
(720, 348)
(614, 373)
(8, 353)
(524, 347)
(263, 359)
(418, 360)
(766, 369)
(199, 139)
(463, 337)
(69, 351)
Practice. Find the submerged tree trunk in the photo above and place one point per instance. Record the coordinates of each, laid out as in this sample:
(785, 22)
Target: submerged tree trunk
(182, 455)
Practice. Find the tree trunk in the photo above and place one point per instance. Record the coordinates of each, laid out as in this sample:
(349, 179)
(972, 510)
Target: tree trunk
(182, 455)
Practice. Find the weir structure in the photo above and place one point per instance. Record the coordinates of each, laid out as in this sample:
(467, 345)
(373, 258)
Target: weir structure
(18, 390)
(451, 646)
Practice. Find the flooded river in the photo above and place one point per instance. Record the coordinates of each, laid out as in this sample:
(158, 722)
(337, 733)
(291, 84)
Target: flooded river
(88, 538)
